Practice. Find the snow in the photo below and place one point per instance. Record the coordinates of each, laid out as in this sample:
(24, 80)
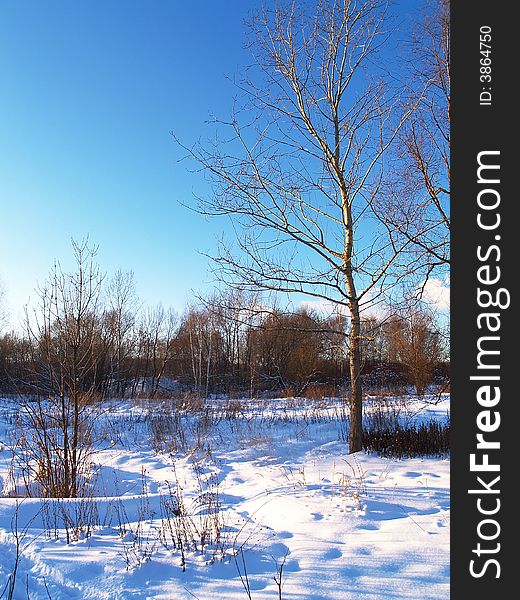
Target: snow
(270, 485)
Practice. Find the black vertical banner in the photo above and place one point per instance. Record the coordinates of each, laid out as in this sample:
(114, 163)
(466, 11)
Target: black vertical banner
(484, 346)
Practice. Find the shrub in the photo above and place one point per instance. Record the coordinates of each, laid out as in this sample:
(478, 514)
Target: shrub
(407, 441)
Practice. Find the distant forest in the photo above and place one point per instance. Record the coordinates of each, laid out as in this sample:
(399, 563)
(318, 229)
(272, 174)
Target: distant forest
(91, 333)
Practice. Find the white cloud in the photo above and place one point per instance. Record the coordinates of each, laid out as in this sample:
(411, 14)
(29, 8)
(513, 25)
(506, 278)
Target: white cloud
(327, 308)
(324, 307)
(437, 293)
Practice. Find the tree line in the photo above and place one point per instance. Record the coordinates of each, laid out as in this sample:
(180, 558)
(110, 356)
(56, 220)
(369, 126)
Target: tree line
(90, 337)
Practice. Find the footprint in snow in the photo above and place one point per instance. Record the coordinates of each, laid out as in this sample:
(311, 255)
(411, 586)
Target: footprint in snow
(368, 526)
(278, 550)
(285, 535)
(317, 516)
(332, 554)
(292, 566)
(412, 474)
(257, 584)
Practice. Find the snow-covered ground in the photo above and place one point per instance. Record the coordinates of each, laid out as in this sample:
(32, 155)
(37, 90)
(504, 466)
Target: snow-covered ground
(223, 504)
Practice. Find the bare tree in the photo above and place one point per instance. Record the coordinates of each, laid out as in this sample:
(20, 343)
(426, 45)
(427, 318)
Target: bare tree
(230, 313)
(200, 344)
(15, 356)
(419, 195)
(120, 325)
(64, 329)
(289, 348)
(415, 342)
(301, 169)
(155, 348)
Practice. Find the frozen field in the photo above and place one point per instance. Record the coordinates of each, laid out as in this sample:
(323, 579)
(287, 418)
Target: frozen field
(229, 504)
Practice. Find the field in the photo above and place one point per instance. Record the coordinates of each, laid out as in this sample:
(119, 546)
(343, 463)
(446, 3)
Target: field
(231, 500)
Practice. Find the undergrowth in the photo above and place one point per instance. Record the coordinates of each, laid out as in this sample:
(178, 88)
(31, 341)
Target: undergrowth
(407, 441)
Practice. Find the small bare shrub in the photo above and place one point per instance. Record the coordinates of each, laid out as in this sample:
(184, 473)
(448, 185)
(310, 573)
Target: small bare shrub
(166, 431)
(20, 545)
(352, 483)
(431, 439)
(139, 540)
(233, 409)
(318, 391)
(278, 578)
(191, 402)
(74, 518)
(196, 528)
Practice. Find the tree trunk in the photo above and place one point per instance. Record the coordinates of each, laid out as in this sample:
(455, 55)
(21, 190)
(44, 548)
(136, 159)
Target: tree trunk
(356, 406)
(356, 391)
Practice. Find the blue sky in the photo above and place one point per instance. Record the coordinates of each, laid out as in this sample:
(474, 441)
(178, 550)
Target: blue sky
(90, 93)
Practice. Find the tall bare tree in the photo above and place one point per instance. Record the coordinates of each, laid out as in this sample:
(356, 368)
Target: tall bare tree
(415, 341)
(289, 348)
(301, 168)
(419, 195)
(64, 330)
(120, 328)
(156, 334)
